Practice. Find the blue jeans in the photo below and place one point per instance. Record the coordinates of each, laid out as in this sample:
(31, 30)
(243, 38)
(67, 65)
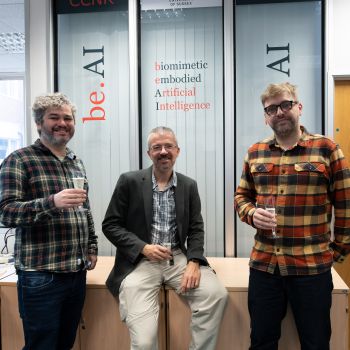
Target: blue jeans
(50, 306)
(310, 298)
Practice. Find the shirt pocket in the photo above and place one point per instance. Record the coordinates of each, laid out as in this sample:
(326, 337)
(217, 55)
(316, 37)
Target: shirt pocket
(263, 168)
(316, 169)
(261, 173)
(312, 177)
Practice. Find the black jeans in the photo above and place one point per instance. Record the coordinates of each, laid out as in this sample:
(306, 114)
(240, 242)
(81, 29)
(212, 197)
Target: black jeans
(310, 298)
(50, 306)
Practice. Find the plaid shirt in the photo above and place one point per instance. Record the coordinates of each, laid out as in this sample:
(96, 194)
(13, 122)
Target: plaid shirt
(164, 225)
(306, 180)
(47, 239)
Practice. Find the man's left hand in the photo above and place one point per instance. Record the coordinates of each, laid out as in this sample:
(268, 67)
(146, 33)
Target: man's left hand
(191, 277)
(93, 260)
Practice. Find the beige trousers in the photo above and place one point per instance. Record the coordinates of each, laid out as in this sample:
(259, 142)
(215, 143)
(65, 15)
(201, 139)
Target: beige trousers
(139, 303)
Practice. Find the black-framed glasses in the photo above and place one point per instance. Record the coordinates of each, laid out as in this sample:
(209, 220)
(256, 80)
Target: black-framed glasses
(285, 106)
(158, 148)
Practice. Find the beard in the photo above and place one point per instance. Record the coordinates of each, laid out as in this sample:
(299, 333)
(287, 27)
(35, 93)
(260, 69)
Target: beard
(164, 167)
(56, 140)
(285, 127)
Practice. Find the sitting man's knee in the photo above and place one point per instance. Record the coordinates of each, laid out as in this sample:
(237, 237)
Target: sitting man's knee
(222, 295)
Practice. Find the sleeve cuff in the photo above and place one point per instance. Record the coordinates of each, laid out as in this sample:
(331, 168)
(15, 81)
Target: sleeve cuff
(338, 257)
(250, 217)
(92, 250)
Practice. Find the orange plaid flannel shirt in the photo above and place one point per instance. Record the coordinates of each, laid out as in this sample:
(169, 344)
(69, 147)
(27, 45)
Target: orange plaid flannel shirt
(308, 181)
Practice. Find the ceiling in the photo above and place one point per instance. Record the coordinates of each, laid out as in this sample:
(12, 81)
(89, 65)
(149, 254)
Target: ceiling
(11, 36)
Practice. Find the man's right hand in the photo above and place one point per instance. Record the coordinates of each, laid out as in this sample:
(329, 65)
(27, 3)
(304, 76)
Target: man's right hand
(156, 252)
(264, 219)
(69, 198)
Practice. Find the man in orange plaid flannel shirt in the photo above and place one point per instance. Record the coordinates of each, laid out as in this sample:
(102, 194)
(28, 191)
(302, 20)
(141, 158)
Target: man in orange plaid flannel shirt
(307, 177)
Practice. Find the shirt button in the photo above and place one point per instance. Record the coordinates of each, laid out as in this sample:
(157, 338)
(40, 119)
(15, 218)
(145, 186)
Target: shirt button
(281, 191)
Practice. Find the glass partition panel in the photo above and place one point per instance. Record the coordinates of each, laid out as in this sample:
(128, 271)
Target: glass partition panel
(275, 42)
(93, 70)
(12, 122)
(12, 71)
(182, 88)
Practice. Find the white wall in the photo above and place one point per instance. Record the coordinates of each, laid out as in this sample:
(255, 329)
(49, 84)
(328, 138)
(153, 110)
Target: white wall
(340, 37)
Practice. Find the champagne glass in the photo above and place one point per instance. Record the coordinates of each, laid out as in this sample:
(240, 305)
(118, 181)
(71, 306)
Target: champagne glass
(78, 182)
(167, 244)
(270, 206)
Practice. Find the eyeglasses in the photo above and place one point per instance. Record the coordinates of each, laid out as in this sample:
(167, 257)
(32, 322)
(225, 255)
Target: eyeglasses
(285, 106)
(158, 148)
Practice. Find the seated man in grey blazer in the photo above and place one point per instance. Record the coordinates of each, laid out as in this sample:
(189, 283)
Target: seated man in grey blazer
(150, 210)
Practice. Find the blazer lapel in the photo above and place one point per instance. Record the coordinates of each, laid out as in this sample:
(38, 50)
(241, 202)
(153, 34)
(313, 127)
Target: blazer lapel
(179, 204)
(147, 193)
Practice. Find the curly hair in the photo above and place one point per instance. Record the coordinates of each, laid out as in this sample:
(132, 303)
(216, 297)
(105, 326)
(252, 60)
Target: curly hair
(43, 102)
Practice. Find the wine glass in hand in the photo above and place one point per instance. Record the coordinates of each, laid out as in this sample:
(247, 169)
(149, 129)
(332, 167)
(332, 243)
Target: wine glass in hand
(78, 183)
(167, 244)
(270, 206)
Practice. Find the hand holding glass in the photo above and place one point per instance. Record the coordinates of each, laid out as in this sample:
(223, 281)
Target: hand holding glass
(270, 207)
(78, 183)
(167, 244)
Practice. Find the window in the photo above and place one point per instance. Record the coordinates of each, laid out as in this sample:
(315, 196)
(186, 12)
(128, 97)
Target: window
(12, 68)
(12, 117)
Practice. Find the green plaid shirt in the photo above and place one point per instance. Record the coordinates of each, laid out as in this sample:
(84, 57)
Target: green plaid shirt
(308, 181)
(47, 239)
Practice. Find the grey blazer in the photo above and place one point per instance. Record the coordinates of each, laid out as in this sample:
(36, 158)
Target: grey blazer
(127, 223)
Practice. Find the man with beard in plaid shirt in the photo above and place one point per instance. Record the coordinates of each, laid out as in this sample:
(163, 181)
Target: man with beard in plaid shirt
(307, 177)
(55, 238)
